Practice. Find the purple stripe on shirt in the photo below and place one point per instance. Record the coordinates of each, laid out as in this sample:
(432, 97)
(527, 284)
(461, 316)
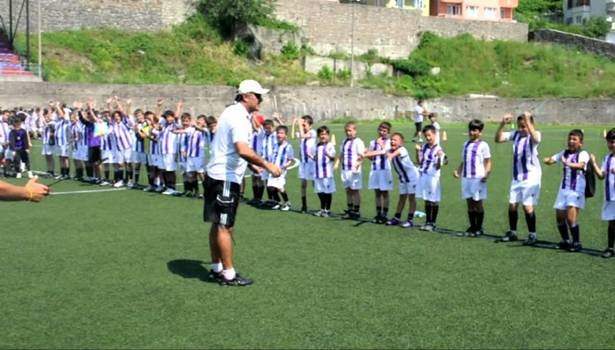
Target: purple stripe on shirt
(607, 178)
(524, 158)
(324, 160)
(515, 155)
(401, 172)
(473, 159)
(573, 174)
(465, 158)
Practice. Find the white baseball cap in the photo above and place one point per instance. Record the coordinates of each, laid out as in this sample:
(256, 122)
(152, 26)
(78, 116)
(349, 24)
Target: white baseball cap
(251, 86)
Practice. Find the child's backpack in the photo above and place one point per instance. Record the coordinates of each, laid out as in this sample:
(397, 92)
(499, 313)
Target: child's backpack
(590, 180)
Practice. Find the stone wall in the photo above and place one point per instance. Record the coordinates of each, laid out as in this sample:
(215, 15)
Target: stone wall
(133, 15)
(322, 103)
(327, 26)
(584, 43)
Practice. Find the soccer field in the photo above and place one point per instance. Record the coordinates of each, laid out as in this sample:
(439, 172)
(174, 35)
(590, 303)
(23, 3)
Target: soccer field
(127, 269)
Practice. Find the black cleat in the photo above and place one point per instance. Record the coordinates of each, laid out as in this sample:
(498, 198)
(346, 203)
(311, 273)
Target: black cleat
(563, 245)
(608, 253)
(530, 241)
(509, 237)
(238, 281)
(576, 247)
(215, 276)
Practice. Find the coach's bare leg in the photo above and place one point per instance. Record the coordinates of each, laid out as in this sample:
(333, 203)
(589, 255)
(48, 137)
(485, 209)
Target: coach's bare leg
(224, 240)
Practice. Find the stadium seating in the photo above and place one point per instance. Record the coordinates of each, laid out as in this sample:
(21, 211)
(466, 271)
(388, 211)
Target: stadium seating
(11, 67)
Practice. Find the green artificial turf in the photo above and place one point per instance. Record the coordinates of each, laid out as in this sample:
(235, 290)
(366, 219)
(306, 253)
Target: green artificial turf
(126, 269)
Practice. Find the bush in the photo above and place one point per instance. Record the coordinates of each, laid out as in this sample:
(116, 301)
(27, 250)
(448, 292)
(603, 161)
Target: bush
(290, 51)
(325, 73)
(230, 15)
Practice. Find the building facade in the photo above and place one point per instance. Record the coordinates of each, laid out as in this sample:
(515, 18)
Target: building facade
(485, 10)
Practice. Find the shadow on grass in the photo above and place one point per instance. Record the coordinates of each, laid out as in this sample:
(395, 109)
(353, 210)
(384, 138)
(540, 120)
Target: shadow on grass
(190, 269)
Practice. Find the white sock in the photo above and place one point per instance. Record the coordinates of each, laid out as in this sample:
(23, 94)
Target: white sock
(216, 267)
(229, 274)
(533, 234)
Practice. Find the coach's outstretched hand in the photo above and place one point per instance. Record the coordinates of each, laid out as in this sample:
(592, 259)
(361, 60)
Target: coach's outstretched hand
(273, 169)
(35, 190)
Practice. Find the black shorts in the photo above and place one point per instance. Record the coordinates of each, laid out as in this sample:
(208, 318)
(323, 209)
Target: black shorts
(94, 154)
(221, 201)
(419, 126)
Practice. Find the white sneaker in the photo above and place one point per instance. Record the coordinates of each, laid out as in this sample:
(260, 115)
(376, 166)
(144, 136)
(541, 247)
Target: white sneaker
(18, 176)
(168, 192)
(105, 183)
(130, 184)
(149, 188)
(276, 207)
(30, 175)
(319, 212)
(285, 207)
(119, 184)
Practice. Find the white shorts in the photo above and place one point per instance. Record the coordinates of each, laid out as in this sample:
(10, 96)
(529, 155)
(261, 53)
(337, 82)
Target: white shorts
(429, 188)
(107, 157)
(182, 165)
(62, 150)
(306, 171)
(408, 187)
(121, 157)
(326, 185)
(138, 157)
(380, 180)
(168, 162)
(264, 175)
(525, 192)
(608, 211)
(277, 182)
(568, 198)
(48, 150)
(195, 164)
(154, 159)
(1, 151)
(473, 189)
(352, 180)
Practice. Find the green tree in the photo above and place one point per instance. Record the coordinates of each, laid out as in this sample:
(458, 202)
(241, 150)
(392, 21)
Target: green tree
(596, 27)
(230, 15)
(538, 9)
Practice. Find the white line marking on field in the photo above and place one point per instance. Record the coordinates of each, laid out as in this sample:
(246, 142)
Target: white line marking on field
(89, 191)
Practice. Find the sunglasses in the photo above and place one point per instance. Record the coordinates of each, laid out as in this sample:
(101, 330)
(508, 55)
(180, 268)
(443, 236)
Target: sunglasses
(259, 97)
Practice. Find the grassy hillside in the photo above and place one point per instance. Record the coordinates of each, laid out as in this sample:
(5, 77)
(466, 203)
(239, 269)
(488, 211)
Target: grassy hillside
(194, 53)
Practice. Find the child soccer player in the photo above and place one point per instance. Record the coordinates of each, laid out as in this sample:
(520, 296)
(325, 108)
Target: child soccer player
(380, 177)
(19, 143)
(408, 178)
(323, 155)
(474, 169)
(49, 143)
(140, 143)
(351, 156)
(183, 137)
(607, 173)
(571, 196)
(4, 139)
(122, 153)
(193, 149)
(62, 135)
(525, 185)
(431, 157)
(267, 147)
(283, 156)
(419, 114)
(307, 141)
(168, 146)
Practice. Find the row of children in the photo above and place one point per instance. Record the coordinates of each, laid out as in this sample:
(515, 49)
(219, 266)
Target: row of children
(318, 159)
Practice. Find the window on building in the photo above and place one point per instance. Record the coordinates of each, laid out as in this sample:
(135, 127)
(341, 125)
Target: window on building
(491, 12)
(472, 11)
(453, 10)
(569, 20)
(578, 20)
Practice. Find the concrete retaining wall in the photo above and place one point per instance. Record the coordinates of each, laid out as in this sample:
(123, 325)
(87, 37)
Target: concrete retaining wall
(321, 102)
(596, 46)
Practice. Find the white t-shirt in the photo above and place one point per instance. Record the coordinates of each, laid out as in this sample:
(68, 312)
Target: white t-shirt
(526, 164)
(233, 126)
(573, 179)
(418, 117)
(473, 155)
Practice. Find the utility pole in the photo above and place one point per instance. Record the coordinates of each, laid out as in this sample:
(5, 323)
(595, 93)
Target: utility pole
(352, 45)
(40, 43)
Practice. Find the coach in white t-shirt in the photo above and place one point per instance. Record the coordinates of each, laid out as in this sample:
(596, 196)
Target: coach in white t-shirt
(230, 155)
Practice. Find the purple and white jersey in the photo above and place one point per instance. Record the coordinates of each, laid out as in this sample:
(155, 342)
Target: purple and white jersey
(350, 152)
(196, 143)
(526, 164)
(608, 165)
(78, 135)
(429, 160)
(62, 132)
(47, 133)
(4, 132)
(282, 154)
(404, 167)
(123, 135)
(138, 142)
(256, 141)
(268, 143)
(323, 165)
(307, 144)
(573, 179)
(107, 142)
(380, 162)
(168, 140)
(154, 145)
(473, 155)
